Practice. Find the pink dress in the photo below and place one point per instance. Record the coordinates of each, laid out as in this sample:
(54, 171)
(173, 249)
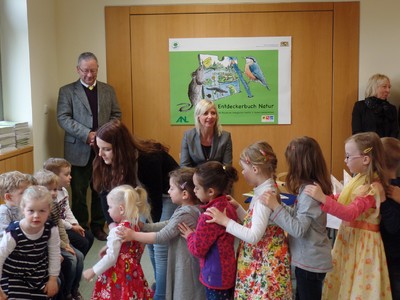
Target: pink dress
(125, 280)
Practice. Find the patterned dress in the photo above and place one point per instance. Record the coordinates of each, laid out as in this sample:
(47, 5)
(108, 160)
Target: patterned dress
(263, 269)
(125, 280)
(359, 263)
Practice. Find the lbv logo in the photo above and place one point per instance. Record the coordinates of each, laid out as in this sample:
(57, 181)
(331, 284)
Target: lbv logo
(182, 120)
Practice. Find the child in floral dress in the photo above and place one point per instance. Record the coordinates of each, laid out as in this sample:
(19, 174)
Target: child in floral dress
(120, 275)
(263, 267)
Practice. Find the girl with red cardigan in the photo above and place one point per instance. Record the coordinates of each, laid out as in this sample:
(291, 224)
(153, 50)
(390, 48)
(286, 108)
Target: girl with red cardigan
(210, 242)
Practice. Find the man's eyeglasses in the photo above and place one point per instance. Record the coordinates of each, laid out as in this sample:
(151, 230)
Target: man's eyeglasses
(86, 72)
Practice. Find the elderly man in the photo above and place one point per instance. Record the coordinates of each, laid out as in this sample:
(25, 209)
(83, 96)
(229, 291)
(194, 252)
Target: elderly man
(82, 107)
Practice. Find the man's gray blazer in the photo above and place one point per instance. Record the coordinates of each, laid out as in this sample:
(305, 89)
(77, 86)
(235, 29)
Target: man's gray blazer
(75, 117)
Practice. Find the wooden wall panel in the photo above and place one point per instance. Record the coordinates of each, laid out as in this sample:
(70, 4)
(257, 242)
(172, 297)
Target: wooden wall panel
(345, 80)
(317, 47)
(119, 67)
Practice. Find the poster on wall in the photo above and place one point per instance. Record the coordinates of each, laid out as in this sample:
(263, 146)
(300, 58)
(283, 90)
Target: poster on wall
(248, 78)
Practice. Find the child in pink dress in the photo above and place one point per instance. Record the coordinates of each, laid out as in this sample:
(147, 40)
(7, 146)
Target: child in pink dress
(120, 275)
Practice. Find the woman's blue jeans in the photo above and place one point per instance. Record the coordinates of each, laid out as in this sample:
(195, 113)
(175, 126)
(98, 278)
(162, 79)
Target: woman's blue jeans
(159, 253)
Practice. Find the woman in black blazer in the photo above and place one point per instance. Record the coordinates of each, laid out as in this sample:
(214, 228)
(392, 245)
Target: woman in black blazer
(375, 113)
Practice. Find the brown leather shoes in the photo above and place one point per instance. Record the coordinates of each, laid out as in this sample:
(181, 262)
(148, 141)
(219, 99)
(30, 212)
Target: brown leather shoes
(99, 234)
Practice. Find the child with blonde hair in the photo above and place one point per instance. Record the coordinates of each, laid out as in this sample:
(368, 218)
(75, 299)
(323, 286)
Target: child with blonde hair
(183, 269)
(359, 269)
(12, 186)
(305, 222)
(30, 250)
(263, 266)
(120, 275)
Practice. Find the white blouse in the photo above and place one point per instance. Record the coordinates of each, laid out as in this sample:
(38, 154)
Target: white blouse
(259, 219)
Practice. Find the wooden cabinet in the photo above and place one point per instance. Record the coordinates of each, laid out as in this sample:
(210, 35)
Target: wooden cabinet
(18, 160)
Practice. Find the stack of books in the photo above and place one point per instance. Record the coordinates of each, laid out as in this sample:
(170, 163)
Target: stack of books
(7, 139)
(21, 135)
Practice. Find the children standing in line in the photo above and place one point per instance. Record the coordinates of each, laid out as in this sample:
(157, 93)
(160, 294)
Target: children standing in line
(210, 242)
(30, 250)
(359, 269)
(120, 275)
(390, 214)
(80, 238)
(72, 265)
(305, 223)
(183, 269)
(12, 186)
(263, 268)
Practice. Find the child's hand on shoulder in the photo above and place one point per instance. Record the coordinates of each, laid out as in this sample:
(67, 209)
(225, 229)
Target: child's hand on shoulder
(315, 192)
(51, 287)
(88, 274)
(232, 201)
(140, 224)
(78, 229)
(393, 192)
(126, 234)
(185, 230)
(217, 216)
(270, 199)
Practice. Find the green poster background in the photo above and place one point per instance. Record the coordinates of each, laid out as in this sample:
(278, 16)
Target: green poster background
(262, 108)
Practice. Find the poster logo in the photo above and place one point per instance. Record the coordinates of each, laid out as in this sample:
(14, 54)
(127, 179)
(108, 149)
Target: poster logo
(182, 120)
(267, 118)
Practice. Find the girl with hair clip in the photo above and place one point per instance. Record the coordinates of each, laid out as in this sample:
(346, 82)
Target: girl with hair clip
(120, 275)
(183, 269)
(305, 222)
(263, 267)
(210, 242)
(359, 269)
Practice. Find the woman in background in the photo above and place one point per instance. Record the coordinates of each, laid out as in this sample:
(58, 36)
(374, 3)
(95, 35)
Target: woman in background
(375, 113)
(207, 141)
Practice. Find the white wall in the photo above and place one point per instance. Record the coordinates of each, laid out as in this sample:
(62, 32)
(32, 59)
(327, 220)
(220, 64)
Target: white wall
(60, 30)
(15, 47)
(47, 136)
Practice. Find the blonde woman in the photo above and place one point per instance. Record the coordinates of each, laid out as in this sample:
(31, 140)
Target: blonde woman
(375, 113)
(207, 141)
